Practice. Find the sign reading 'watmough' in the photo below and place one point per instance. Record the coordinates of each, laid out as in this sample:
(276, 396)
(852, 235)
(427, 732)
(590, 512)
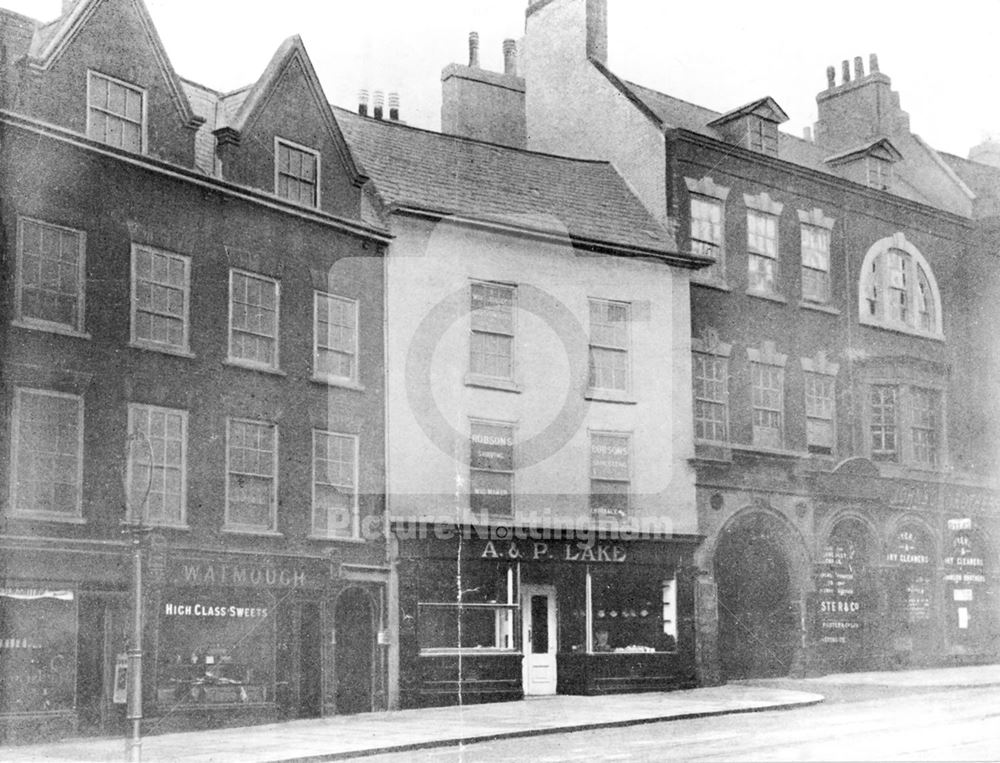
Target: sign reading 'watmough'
(238, 575)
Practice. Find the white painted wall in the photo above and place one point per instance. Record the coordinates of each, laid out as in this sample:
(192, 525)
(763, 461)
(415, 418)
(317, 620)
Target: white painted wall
(430, 264)
(572, 109)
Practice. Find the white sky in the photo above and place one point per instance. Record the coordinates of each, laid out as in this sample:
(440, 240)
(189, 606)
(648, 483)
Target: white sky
(942, 57)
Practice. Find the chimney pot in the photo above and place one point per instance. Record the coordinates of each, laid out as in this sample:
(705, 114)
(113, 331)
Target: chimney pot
(509, 57)
(394, 107)
(859, 68)
(845, 71)
(363, 102)
(807, 134)
(474, 50)
(873, 63)
(831, 77)
(377, 104)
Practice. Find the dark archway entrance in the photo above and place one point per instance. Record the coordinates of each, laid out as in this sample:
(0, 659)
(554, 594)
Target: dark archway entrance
(354, 628)
(758, 618)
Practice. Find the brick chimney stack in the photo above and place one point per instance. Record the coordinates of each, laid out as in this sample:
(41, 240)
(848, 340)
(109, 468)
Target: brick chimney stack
(859, 109)
(377, 104)
(474, 50)
(510, 57)
(394, 107)
(363, 102)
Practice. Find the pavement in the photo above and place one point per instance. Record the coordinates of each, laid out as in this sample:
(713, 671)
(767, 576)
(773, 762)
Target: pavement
(342, 737)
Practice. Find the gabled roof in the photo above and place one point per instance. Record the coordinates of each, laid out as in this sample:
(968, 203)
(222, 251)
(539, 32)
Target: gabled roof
(881, 148)
(767, 108)
(52, 40)
(455, 176)
(240, 109)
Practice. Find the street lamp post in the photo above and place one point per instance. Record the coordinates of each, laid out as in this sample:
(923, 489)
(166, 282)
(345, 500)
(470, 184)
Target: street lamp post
(138, 530)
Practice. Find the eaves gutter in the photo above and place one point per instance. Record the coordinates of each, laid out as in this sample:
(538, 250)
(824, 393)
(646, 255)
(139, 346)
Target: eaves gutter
(666, 256)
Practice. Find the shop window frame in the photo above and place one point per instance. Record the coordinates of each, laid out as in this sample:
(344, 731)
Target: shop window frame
(511, 609)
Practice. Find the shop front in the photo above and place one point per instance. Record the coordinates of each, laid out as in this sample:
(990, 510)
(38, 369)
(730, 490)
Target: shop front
(241, 639)
(498, 614)
(62, 622)
(903, 574)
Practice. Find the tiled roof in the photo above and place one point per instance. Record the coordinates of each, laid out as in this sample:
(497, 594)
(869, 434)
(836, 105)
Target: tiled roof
(204, 103)
(674, 112)
(455, 175)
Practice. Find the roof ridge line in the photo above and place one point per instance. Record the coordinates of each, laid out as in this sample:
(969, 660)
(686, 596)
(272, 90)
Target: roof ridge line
(466, 139)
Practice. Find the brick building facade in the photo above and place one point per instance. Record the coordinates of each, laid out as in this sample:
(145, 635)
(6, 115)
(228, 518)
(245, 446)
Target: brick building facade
(191, 340)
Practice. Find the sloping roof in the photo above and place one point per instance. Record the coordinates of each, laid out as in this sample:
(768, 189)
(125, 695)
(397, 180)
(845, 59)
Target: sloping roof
(459, 176)
(881, 147)
(50, 40)
(241, 108)
(677, 113)
(766, 105)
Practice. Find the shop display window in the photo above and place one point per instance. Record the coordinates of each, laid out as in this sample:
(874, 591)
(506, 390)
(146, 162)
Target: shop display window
(633, 613)
(215, 652)
(476, 611)
(37, 650)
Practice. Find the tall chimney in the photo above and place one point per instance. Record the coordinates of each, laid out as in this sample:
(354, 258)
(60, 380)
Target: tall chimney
(873, 63)
(474, 50)
(394, 107)
(363, 102)
(597, 30)
(831, 78)
(845, 70)
(859, 68)
(377, 104)
(509, 57)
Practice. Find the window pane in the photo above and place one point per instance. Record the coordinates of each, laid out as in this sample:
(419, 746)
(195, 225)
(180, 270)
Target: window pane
(161, 294)
(50, 279)
(115, 113)
(251, 497)
(254, 307)
(710, 404)
(296, 174)
(336, 336)
(48, 447)
(883, 423)
(491, 451)
(156, 454)
(768, 382)
(335, 493)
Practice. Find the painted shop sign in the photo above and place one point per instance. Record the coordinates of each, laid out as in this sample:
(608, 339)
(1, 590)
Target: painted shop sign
(238, 575)
(836, 588)
(203, 609)
(912, 553)
(953, 499)
(909, 549)
(554, 551)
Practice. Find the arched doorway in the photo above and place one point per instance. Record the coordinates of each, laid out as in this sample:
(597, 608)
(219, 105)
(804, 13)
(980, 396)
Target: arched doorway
(846, 602)
(759, 623)
(354, 634)
(911, 597)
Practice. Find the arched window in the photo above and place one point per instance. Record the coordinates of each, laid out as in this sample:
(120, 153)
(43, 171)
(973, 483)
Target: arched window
(897, 289)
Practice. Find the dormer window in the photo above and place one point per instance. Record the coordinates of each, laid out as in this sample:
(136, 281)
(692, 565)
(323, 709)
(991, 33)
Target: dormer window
(762, 135)
(879, 173)
(754, 126)
(296, 173)
(116, 112)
